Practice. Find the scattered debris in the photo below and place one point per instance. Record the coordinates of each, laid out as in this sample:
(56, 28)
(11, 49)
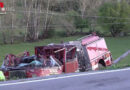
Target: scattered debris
(48, 60)
(2, 77)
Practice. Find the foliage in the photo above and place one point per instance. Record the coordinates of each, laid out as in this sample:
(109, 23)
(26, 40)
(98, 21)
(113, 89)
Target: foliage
(49, 33)
(39, 19)
(79, 21)
(119, 10)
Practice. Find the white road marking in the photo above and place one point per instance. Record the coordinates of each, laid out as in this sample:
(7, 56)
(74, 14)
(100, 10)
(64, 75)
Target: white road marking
(56, 78)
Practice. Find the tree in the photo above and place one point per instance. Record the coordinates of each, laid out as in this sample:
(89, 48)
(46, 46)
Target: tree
(76, 19)
(115, 14)
(36, 20)
(32, 21)
(81, 23)
(86, 8)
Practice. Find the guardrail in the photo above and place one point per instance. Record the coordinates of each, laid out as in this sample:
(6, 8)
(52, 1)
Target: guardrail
(121, 57)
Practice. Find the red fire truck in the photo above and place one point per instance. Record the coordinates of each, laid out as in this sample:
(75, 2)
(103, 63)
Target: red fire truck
(87, 53)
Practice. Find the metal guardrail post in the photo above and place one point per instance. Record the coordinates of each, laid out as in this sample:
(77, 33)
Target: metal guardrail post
(121, 57)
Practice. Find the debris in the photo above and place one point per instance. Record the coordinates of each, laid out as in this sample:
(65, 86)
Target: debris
(2, 77)
(84, 54)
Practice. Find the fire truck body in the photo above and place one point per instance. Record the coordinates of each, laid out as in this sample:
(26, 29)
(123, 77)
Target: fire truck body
(92, 52)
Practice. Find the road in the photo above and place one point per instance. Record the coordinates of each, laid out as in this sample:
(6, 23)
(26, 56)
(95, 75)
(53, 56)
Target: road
(102, 80)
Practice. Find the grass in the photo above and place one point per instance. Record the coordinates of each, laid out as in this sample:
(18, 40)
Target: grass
(117, 46)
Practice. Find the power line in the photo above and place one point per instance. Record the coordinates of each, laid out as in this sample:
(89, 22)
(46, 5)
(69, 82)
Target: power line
(54, 25)
(112, 23)
(63, 14)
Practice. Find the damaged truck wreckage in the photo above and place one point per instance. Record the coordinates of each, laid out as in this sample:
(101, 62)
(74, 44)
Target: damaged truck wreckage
(87, 53)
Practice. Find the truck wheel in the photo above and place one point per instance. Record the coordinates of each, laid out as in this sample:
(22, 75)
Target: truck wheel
(83, 69)
(100, 66)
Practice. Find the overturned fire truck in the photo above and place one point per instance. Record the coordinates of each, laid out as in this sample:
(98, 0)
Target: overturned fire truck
(92, 53)
(87, 53)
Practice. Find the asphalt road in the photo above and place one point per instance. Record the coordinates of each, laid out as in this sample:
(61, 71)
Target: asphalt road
(102, 80)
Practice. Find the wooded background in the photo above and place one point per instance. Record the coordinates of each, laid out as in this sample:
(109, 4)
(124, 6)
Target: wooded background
(32, 20)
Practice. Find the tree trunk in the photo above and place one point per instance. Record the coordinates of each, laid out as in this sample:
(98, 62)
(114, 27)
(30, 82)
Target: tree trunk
(81, 30)
(4, 38)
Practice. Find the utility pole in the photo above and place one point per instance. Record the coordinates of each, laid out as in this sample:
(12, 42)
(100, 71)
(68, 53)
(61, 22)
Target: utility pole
(12, 23)
(48, 5)
(2, 12)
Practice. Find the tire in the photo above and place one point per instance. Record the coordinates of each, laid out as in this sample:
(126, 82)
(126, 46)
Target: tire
(100, 66)
(83, 69)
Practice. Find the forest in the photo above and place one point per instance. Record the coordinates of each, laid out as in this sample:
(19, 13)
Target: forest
(34, 20)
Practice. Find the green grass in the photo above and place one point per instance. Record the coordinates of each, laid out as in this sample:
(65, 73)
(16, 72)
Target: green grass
(117, 46)
(125, 61)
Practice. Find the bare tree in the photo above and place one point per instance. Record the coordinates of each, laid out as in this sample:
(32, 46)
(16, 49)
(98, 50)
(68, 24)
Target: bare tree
(32, 31)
